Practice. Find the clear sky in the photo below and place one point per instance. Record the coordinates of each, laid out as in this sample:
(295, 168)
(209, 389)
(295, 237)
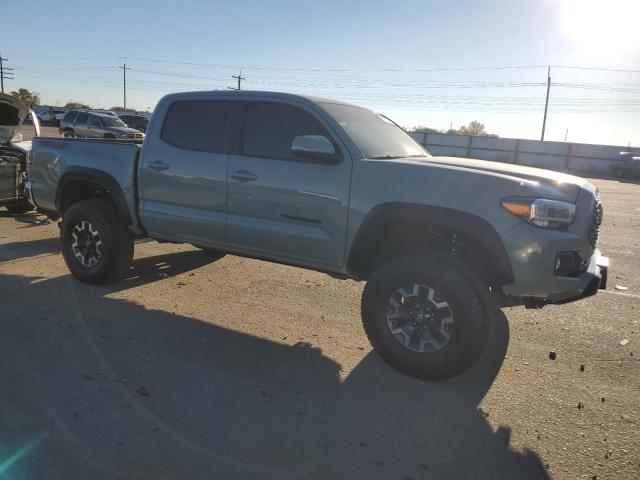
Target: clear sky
(416, 61)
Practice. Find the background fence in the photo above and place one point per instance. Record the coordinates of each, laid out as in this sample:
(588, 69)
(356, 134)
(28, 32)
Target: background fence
(579, 157)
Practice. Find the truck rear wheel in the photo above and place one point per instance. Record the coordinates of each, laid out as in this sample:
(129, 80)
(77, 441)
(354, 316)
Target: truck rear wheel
(96, 244)
(427, 315)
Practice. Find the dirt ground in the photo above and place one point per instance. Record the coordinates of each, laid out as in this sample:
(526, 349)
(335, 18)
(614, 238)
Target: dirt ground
(236, 368)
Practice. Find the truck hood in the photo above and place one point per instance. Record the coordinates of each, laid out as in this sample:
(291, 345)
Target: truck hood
(12, 114)
(569, 184)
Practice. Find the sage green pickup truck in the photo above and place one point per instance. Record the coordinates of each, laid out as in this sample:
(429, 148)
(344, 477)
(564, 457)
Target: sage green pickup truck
(332, 187)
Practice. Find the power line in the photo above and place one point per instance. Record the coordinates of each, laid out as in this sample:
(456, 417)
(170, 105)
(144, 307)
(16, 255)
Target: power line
(336, 69)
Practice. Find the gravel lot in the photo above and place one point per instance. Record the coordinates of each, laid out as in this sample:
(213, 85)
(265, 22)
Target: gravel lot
(236, 368)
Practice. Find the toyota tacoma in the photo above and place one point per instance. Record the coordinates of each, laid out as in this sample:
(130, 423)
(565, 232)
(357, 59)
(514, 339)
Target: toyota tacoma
(332, 187)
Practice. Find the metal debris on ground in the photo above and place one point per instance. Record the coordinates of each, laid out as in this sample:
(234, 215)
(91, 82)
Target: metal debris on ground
(622, 288)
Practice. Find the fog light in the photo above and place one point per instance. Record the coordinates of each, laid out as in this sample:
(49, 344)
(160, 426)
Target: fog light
(569, 264)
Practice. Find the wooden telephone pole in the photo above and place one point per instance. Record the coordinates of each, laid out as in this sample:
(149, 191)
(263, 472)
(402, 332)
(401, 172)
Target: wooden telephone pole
(546, 104)
(238, 77)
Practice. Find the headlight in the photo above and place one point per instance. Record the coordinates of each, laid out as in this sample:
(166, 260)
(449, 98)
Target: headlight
(540, 211)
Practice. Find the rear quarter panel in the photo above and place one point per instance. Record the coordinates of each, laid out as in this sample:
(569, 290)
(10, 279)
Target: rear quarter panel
(52, 158)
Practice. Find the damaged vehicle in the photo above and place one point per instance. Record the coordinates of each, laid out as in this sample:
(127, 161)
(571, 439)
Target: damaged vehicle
(13, 154)
(336, 188)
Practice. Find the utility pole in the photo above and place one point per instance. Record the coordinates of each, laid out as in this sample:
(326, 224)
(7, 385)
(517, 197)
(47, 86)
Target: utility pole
(5, 73)
(546, 104)
(238, 77)
(124, 83)
(565, 135)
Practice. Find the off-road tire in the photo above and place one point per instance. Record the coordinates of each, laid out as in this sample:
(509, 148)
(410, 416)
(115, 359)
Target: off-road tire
(116, 238)
(469, 299)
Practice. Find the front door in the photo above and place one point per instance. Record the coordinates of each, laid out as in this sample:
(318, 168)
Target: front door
(281, 206)
(183, 173)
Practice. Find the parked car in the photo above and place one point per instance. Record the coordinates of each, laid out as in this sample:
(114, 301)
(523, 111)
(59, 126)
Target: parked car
(627, 166)
(106, 112)
(82, 124)
(52, 115)
(332, 187)
(135, 121)
(13, 154)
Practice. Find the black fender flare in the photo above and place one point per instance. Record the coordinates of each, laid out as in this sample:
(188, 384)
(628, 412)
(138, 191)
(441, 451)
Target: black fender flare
(456, 220)
(97, 177)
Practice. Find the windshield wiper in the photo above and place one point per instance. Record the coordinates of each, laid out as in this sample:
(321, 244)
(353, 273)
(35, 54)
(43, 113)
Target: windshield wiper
(391, 157)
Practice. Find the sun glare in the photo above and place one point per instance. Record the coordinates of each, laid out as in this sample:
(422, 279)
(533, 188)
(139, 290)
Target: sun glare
(603, 27)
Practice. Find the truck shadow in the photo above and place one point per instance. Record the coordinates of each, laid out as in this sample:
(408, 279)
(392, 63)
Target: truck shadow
(100, 387)
(12, 251)
(143, 269)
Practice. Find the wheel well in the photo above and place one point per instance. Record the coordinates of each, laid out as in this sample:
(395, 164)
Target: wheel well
(76, 190)
(396, 234)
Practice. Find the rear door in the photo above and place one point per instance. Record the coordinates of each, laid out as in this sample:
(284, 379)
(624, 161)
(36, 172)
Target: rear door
(183, 174)
(281, 206)
(94, 127)
(80, 125)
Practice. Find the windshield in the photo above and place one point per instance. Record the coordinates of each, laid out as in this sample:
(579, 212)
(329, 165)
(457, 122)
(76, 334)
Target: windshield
(375, 136)
(113, 122)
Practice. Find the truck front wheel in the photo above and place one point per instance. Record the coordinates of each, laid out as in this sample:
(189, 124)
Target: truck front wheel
(427, 315)
(96, 244)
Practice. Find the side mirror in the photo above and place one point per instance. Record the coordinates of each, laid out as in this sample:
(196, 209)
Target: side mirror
(315, 147)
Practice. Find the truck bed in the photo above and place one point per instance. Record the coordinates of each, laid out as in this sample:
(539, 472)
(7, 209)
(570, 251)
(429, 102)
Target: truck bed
(57, 160)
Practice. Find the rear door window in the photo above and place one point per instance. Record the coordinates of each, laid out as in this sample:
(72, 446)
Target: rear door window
(82, 119)
(197, 125)
(271, 127)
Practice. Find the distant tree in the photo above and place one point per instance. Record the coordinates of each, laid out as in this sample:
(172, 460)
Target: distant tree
(27, 97)
(120, 109)
(423, 129)
(76, 106)
(474, 129)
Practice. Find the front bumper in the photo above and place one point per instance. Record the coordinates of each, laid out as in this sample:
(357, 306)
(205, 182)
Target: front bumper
(592, 280)
(597, 272)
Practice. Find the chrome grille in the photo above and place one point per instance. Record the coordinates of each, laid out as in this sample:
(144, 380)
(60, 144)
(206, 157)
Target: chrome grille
(596, 221)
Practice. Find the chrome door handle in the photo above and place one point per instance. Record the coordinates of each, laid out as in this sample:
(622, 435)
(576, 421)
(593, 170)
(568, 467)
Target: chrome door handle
(243, 175)
(158, 165)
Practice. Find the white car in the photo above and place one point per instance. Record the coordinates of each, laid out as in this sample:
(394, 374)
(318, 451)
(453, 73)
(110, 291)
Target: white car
(51, 115)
